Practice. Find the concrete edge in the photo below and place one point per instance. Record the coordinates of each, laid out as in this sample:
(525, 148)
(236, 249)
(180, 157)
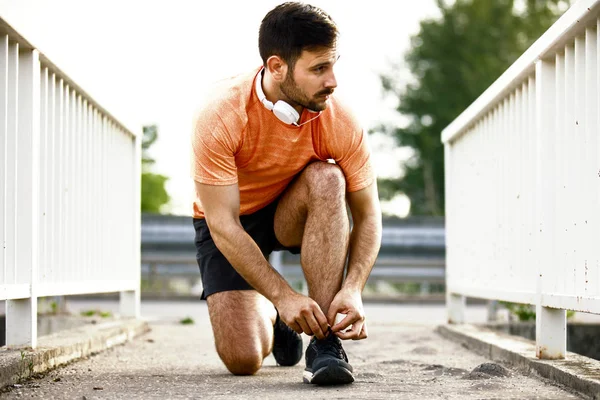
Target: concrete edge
(577, 372)
(17, 364)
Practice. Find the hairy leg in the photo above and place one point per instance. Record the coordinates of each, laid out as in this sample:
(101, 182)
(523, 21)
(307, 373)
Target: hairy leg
(312, 213)
(242, 322)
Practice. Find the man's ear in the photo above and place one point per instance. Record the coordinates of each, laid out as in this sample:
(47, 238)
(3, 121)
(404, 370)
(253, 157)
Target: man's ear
(277, 68)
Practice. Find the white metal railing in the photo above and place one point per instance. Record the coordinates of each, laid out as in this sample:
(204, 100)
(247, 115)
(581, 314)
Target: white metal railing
(523, 183)
(69, 205)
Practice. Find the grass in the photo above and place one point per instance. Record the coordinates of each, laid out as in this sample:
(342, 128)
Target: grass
(25, 367)
(88, 313)
(101, 314)
(526, 312)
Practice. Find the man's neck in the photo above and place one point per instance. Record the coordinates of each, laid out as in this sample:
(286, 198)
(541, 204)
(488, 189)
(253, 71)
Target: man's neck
(273, 92)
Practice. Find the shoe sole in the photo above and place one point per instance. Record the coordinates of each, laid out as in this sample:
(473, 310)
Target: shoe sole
(331, 374)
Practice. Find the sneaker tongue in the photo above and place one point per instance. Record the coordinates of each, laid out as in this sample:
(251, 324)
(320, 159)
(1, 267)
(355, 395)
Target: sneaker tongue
(330, 338)
(330, 345)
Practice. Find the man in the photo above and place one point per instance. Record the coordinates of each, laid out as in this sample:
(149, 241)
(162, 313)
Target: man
(275, 159)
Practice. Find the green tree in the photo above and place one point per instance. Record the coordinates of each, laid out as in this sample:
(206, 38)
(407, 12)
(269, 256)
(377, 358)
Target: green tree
(154, 194)
(453, 60)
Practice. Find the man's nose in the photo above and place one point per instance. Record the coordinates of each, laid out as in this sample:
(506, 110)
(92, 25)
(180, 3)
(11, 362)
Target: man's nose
(331, 82)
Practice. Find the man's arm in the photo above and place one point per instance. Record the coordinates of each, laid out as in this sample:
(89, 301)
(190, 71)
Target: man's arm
(221, 209)
(365, 242)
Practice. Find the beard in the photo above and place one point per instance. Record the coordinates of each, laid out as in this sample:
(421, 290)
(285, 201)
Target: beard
(296, 96)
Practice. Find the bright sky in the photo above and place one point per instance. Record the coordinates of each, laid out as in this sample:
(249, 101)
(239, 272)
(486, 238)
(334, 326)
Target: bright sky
(150, 62)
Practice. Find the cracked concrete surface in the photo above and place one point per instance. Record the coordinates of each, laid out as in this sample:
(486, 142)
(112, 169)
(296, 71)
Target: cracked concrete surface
(403, 358)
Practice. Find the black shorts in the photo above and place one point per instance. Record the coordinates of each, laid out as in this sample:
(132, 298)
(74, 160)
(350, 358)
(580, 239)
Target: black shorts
(217, 274)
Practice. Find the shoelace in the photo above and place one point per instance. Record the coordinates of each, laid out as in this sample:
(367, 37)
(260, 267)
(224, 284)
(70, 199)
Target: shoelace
(330, 345)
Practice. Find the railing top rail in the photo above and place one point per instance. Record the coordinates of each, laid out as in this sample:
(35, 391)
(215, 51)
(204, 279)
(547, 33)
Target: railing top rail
(574, 19)
(7, 29)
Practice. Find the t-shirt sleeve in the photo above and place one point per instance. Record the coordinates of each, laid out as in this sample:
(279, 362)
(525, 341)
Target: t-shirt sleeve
(356, 164)
(214, 145)
(352, 153)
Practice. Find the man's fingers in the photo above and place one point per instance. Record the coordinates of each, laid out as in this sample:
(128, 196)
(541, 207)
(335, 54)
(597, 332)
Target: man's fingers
(322, 321)
(357, 332)
(363, 332)
(349, 334)
(305, 328)
(353, 333)
(295, 327)
(315, 327)
(350, 319)
(331, 314)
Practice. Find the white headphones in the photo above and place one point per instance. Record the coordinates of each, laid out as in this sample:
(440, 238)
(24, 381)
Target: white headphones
(282, 110)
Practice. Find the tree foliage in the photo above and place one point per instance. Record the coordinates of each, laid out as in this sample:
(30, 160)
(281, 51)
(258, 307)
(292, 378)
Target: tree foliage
(453, 60)
(154, 194)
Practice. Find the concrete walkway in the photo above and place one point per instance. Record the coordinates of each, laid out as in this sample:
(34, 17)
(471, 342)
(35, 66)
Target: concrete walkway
(403, 358)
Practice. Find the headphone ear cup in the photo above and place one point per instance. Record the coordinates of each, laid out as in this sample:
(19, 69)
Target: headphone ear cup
(285, 112)
(282, 110)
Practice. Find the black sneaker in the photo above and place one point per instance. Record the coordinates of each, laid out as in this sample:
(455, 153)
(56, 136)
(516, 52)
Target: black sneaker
(287, 344)
(327, 363)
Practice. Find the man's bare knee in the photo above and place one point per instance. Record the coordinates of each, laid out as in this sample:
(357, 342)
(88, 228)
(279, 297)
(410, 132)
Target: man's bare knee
(241, 361)
(243, 329)
(325, 180)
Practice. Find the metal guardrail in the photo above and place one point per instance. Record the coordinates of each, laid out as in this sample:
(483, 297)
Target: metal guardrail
(412, 250)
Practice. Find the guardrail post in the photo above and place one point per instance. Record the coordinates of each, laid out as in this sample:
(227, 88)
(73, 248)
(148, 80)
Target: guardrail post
(550, 333)
(129, 301)
(4, 57)
(455, 302)
(21, 314)
(551, 324)
(456, 305)
(492, 310)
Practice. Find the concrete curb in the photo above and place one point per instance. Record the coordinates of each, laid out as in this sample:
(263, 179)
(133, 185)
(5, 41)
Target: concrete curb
(575, 371)
(66, 346)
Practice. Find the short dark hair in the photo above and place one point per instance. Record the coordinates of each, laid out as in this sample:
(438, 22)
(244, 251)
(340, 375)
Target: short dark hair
(292, 27)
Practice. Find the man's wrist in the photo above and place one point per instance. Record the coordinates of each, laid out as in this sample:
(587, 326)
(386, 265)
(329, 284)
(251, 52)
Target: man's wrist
(282, 292)
(350, 286)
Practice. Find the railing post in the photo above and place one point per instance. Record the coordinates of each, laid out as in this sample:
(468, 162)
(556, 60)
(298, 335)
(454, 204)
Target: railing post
(129, 303)
(492, 310)
(456, 305)
(551, 332)
(130, 300)
(21, 315)
(4, 57)
(455, 302)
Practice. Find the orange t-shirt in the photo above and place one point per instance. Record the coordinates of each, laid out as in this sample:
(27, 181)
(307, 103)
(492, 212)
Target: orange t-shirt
(237, 140)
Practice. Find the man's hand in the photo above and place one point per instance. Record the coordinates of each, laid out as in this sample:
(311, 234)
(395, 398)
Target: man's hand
(303, 314)
(348, 302)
